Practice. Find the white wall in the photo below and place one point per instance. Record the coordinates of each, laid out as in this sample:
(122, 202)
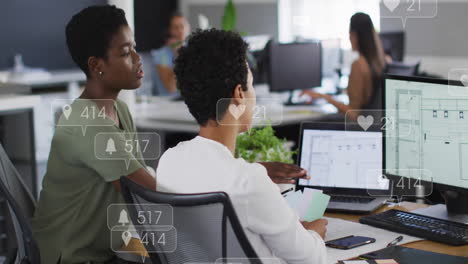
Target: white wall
(127, 6)
(440, 42)
(253, 16)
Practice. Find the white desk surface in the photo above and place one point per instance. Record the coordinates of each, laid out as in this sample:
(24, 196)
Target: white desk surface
(164, 114)
(57, 77)
(10, 102)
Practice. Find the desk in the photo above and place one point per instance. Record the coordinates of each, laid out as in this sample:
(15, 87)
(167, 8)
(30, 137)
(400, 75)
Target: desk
(14, 88)
(57, 77)
(427, 245)
(162, 114)
(462, 251)
(71, 79)
(12, 102)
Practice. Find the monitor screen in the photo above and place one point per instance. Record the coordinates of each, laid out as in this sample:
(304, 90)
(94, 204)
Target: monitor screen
(257, 42)
(342, 159)
(332, 57)
(393, 44)
(431, 133)
(295, 66)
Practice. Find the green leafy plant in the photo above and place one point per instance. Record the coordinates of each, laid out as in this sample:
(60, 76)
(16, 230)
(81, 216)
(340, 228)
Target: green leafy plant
(230, 17)
(261, 145)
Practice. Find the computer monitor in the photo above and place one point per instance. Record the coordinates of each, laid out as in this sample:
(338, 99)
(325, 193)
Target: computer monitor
(332, 57)
(295, 66)
(393, 44)
(261, 61)
(257, 42)
(342, 158)
(430, 133)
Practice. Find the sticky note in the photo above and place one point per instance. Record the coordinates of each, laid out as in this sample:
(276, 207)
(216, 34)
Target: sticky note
(316, 206)
(304, 203)
(309, 205)
(294, 199)
(354, 262)
(310, 191)
(385, 261)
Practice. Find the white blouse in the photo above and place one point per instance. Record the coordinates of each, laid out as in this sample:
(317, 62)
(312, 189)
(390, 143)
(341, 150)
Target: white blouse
(273, 228)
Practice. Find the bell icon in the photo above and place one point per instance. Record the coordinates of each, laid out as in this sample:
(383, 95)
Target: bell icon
(123, 219)
(110, 148)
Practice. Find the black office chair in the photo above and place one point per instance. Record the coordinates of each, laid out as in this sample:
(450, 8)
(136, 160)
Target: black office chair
(404, 69)
(374, 106)
(207, 227)
(21, 206)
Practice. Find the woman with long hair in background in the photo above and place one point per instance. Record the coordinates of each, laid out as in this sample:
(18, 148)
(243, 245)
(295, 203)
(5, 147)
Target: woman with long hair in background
(366, 71)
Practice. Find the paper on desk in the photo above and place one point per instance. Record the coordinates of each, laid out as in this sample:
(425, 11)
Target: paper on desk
(309, 205)
(338, 228)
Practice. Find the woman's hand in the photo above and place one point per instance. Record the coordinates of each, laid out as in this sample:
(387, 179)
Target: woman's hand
(319, 226)
(312, 94)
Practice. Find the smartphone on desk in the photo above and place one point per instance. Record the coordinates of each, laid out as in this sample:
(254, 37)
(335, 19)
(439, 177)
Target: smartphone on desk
(349, 242)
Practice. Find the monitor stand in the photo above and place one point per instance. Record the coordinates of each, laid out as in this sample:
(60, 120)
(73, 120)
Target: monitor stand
(455, 208)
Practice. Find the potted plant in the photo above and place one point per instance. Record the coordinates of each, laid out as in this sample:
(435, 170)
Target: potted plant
(261, 145)
(229, 20)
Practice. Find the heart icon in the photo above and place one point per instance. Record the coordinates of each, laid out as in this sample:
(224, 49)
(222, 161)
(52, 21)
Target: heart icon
(365, 122)
(236, 110)
(391, 4)
(464, 79)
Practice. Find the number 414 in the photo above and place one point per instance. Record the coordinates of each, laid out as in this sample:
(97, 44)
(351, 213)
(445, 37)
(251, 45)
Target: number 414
(401, 183)
(151, 237)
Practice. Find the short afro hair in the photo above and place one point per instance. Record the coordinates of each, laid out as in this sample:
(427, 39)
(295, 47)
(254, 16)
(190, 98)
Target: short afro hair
(90, 31)
(208, 69)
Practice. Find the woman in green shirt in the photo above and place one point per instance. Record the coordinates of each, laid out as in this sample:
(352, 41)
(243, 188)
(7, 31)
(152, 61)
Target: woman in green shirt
(70, 223)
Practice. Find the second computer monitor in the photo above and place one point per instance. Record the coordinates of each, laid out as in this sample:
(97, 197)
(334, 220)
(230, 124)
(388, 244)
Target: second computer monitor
(295, 66)
(393, 44)
(426, 133)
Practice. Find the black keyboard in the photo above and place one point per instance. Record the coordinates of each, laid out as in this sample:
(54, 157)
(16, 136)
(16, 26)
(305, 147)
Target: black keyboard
(430, 228)
(351, 199)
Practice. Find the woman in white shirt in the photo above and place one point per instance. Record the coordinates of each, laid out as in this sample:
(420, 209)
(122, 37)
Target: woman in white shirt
(209, 69)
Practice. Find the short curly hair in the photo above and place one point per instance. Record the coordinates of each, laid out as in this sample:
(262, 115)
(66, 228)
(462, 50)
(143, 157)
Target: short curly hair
(90, 32)
(208, 69)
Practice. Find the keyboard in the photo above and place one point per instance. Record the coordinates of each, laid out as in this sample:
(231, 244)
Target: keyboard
(351, 199)
(447, 232)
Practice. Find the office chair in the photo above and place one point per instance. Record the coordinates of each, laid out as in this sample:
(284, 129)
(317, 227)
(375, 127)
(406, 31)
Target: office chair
(207, 227)
(374, 106)
(21, 205)
(399, 68)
